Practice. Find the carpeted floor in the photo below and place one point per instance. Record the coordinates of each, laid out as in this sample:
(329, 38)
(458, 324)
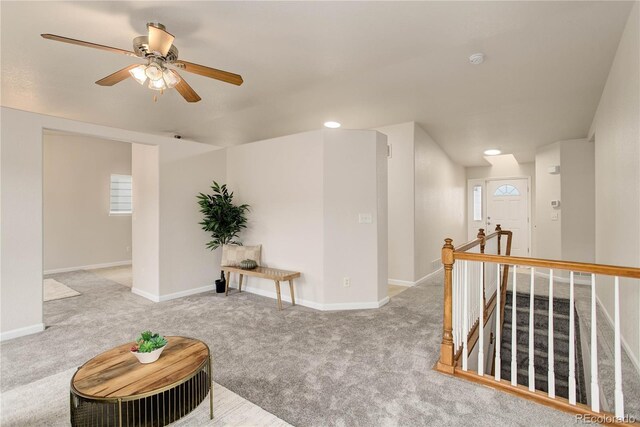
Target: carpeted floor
(25, 406)
(309, 368)
(121, 274)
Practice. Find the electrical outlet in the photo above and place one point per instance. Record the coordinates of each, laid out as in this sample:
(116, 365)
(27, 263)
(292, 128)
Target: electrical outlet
(346, 282)
(365, 218)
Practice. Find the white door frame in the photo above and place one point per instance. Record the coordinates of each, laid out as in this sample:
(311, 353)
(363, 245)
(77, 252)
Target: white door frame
(483, 181)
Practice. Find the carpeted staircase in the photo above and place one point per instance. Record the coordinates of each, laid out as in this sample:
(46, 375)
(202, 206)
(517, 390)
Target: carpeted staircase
(540, 339)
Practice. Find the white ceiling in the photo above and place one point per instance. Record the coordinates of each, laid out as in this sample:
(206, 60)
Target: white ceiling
(365, 64)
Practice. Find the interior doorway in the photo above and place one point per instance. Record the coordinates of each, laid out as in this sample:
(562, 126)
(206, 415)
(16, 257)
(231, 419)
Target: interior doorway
(87, 221)
(504, 201)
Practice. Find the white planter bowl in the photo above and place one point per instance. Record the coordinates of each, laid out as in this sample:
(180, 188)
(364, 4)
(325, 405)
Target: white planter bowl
(149, 357)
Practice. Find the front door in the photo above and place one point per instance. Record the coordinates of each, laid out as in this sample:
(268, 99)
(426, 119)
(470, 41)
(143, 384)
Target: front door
(508, 205)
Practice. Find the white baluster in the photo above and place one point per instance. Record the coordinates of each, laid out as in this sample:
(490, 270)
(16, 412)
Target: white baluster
(532, 368)
(514, 334)
(572, 345)
(618, 351)
(595, 388)
(481, 323)
(498, 363)
(456, 307)
(551, 376)
(465, 314)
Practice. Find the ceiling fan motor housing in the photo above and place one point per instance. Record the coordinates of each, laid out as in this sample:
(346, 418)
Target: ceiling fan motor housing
(141, 48)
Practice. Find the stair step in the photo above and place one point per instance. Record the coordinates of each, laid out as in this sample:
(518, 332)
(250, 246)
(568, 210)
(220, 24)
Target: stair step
(537, 311)
(540, 302)
(541, 363)
(540, 340)
(544, 332)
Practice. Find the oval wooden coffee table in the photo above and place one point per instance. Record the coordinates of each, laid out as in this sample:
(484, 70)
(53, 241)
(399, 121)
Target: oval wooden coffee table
(114, 389)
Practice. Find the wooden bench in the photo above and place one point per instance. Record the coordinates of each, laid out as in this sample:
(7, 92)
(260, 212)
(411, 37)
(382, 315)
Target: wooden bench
(264, 273)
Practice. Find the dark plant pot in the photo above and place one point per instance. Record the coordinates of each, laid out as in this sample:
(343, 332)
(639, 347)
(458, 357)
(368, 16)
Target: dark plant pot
(220, 286)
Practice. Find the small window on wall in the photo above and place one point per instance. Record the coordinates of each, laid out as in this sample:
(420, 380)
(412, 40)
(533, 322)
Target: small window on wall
(120, 202)
(477, 203)
(506, 190)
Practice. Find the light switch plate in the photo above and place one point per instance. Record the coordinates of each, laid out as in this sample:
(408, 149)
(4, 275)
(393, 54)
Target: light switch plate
(365, 218)
(554, 216)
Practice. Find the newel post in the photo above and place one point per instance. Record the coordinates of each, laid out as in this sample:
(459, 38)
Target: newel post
(446, 362)
(481, 235)
(499, 231)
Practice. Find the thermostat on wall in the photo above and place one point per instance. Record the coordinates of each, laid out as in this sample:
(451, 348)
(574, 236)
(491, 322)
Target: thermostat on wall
(554, 170)
(555, 204)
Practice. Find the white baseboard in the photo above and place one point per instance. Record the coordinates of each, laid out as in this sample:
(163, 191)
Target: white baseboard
(313, 304)
(88, 267)
(626, 346)
(21, 332)
(186, 293)
(399, 282)
(417, 282)
(175, 295)
(145, 294)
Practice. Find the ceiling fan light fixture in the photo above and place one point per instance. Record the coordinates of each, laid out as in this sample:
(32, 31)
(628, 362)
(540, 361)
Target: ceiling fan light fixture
(157, 84)
(170, 78)
(154, 72)
(139, 74)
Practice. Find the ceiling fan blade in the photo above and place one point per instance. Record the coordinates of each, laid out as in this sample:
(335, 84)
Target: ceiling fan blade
(159, 40)
(88, 44)
(186, 91)
(213, 73)
(116, 77)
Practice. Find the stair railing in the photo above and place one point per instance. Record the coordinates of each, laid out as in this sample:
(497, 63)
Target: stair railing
(476, 279)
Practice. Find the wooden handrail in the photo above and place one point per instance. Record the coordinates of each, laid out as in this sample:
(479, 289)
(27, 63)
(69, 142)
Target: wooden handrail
(609, 270)
(478, 241)
(450, 361)
(447, 356)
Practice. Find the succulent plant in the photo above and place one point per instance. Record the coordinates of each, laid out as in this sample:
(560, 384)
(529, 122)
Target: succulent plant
(148, 342)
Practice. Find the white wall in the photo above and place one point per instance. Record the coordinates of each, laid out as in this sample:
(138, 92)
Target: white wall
(570, 237)
(78, 230)
(440, 187)
(426, 202)
(306, 191)
(616, 128)
(282, 181)
(146, 220)
(21, 205)
(401, 184)
(355, 175)
(186, 265)
(548, 231)
(577, 175)
(21, 224)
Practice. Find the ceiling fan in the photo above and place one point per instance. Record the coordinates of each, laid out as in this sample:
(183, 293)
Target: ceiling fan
(158, 50)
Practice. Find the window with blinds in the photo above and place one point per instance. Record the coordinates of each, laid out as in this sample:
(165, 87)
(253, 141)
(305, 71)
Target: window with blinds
(120, 202)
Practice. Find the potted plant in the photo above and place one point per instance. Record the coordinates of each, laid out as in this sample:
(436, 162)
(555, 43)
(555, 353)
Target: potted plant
(148, 347)
(222, 219)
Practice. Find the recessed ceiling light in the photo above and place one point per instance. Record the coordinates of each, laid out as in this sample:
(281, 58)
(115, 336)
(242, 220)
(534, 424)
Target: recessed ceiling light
(476, 58)
(492, 152)
(332, 125)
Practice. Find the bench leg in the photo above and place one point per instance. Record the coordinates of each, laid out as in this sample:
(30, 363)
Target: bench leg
(278, 292)
(226, 287)
(293, 298)
(240, 283)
